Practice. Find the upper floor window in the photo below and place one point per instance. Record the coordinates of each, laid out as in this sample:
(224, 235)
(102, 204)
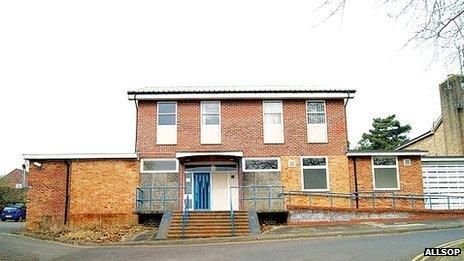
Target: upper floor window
(167, 113)
(316, 112)
(315, 175)
(385, 173)
(166, 131)
(316, 121)
(272, 111)
(210, 114)
(210, 122)
(273, 122)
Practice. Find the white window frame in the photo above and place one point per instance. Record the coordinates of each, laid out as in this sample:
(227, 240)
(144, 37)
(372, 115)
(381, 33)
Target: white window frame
(281, 109)
(261, 170)
(201, 112)
(386, 167)
(158, 113)
(159, 171)
(326, 167)
(325, 120)
(281, 120)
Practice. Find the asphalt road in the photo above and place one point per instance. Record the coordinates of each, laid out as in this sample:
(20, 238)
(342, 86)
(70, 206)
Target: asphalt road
(378, 247)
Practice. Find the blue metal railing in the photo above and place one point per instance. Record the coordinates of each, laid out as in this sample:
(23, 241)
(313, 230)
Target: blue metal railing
(373, 199)
(160, 202)
(262, 197)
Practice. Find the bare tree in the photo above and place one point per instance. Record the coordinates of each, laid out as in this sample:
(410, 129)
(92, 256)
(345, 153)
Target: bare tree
(435, 23)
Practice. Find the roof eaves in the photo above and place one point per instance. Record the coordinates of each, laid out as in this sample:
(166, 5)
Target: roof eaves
(355, 153)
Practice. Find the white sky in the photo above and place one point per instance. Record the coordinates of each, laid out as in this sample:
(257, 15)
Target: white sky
(65, 66)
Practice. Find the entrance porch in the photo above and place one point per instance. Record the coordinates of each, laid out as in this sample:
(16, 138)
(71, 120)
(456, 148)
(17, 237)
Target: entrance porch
(209, 182)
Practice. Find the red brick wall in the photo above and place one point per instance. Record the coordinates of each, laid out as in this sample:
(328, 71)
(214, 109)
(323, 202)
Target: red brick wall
(103, 192)
(242, 129)
(100, 192)
(410, 181)
(46, 195)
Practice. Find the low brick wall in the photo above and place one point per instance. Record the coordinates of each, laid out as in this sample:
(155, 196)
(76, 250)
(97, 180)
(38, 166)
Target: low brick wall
(101, 192)
(317, 215)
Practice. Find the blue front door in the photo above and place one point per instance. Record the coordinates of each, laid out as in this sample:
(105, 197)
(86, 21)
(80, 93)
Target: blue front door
(201, 193)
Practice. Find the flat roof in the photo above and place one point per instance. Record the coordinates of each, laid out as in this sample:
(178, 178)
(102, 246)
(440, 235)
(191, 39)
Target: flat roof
(80, 156)
(443, 158)
(359, 153)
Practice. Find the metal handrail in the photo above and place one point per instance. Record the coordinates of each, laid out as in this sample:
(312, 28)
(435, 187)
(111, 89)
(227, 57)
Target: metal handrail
(254, 198)
(373, 195)
(232, 215)
(164, 199)
(185, 215)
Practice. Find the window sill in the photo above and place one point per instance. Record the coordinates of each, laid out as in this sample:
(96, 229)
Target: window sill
(315, 190)
(386, 189)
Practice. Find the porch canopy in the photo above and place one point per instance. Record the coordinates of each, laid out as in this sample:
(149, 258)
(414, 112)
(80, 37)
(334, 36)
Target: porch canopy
(218, 155)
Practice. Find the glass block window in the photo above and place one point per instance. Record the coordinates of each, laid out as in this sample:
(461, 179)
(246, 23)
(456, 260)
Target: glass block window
(315, 175)
(261, 164)
(167, 113)
(158, 165)
(385, 173)
(315, 112)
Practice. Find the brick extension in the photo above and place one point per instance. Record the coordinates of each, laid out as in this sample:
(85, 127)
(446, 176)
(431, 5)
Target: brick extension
(100, 191)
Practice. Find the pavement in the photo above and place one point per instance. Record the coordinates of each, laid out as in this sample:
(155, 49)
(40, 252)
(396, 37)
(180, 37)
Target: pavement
(390, 246)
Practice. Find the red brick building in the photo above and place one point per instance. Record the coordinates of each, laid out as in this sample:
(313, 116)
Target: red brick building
(14, 179)
(217, 148)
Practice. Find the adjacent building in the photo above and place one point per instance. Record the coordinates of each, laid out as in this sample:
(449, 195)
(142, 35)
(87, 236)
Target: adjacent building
(446, 137)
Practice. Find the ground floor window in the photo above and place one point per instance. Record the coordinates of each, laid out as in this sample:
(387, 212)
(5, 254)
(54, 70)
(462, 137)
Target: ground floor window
(385, 173)
(315, 174)
(261, 164)
(159, 165)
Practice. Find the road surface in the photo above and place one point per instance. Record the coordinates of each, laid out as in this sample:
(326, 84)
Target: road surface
(377, 247)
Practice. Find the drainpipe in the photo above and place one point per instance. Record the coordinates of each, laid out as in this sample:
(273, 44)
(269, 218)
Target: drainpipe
(136, 121)
(66, 202)
(346, 121)
(355, 182)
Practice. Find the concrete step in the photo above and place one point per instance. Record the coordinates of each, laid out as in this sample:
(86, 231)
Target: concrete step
(205, 235)
(208, 224)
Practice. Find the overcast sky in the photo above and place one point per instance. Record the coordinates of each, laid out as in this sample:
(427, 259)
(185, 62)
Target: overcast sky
(65, 66)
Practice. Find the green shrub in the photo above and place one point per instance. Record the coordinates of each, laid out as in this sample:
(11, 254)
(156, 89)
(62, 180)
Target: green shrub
(11, 196)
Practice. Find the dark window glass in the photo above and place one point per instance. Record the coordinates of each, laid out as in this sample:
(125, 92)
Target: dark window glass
(385, 161)
(385, 178)
(167, 107)
(314, 162)
(159, 165)
(261, 164)
(315, 178)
